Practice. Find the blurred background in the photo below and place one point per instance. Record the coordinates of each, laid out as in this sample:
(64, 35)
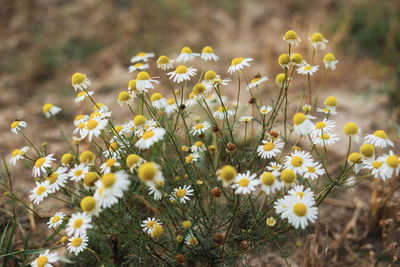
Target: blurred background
(44, 42)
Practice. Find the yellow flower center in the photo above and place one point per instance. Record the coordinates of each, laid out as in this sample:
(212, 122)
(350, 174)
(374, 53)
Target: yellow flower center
(392, 161)
(143, 76)
(108, 180)
(189, 158)
(78, 173)
(367, 150)
(41, 189)
(198, 144)
(97, 106)
(139, 120)
(141, 54)
(170, 101)
(52, 178)
(311, 169)
(228, 173)
(91, 124)
(329, 57)
(67, 158)
(299, 118)
(180, 193)
(222, 109)
(132, 159)
(88, 203)
(147, 171)
(300, 194)
(244, 182)
(42, 261)
(15, 152)
(268, 178)
(331, 101)
(207, 50)
(186, 50)
(350, 128)
(181, 69)
(132, 85)
(76, 242)
(308, 67)
(320, 125)
(237, 61)
(377, 164)
(255, 80)
(110, 162)
(288, 176)
(297, 58)
(297, 161)
(55, 219)
(47, 107)
(269, 146)
(157, 231)
(78, 78)
(79, 117)
(151, 224)
(78, 223)
(317, 37)
(199, 89)
(284, 59)
(156, 96)
(210, 75)
(90, 179)
(87, 156)
(163, 60)
(80, 94)
(300, 209)
(199, 126)
(355, 158)
(193, 241)
(14, 124)
(380, 134)
(40, 162)
(325, 137)
(147, 134)
(138, 65)
(290, 35)
(280, 78)
(124, 96)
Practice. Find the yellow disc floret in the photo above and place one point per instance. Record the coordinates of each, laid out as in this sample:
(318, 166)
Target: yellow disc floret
(268, 178)
(297, 58)
(350, 128)
(331, 101)
(317, 37)
(78, 78)
(155, 97)
(88, 203)
(87, 157)
(46, 107)
(132, 160)
(207, 50)
(199, 89)
(143, 76)
(329, 57)
(288, 176)
(228, 173)
(300, 209)
(284, 59)
(355, 158)
(299, 118)
(367, 150)
(290, 35)
(90, 179)
(380, 134)
(210, 75)
(124, 96)
(108, 180)
(237, 61)
(147, 171)
(181, 69)
(392, 161)
(163, 60)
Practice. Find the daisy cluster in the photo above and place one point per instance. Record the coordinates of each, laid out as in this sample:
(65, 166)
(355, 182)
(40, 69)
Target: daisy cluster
(189, 163)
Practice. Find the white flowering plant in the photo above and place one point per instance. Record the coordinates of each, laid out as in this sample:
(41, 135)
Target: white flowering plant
(193, 178)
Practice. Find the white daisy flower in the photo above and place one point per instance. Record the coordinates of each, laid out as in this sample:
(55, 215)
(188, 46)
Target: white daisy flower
(191, 240)
(40, 192)
(318, 41)
(256, 82)
(281, 206)
(314, 171)
(246, 119)
(45, 259)
(16, 126)
(80, 81)
(81, 96)
(378, 139)
(275, 168)
(115, 148)
(265, 110)
(238, 64)
(142, 56)
(171, 106)
(296, 60)
(269, 183)
(150, 137)
(156, 186)
(300, 211)
(149, 223)
(298, 161)
(78, 224)
(133, 161)
(207, 54)
(367, 152)
(78, 172)
(56, 220)
(78, 243)
(165, 63)
(57, 179)
(111, 187)
(222, 113)
(182, 194)
(198, 147)
(200, 128)
(330, 61)
(245, 183)
(391, 164)
(90, 206)
(108, 165)
(80, 119)
(355, 160)
(330, 104)
(352, 130)
(270, 148)
(93, 128)
(138, 66)
(186, 55)
(191, 158)
(144, 82)
(50, 110)
(158, 101)
(192, 100)
(304, 194)
(125, 98)
(182, 73)
(302, 123)
(326, 139)
(376, 167)
(291, 38)
(42, 165)
(147, 125)
(307, 69)
(320, 127)
(18, 154)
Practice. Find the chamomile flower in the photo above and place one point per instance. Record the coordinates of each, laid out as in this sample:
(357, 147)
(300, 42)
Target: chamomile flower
(199, 91)
(172, 106)
(80, 119)
(300, 211)
(265, 110)
(191, 158)
(18, 154)
(330, 61)
(367, 152)
(78, 224)
(45, 259)
(320, 127)
(269, 148)
(284, 61)
(164, 63)
(296, 59)
(275, 168)
(93, 127)
(182, 194)
(186, 55)
(292, 38)
(256, 82)
(57, 179)
(81, 96)
(191, 240)
(378, 139)
(78, 172)
(302, 123)
(352, 130)
(376, 167)
(307, 69)
(200, 128)
(108, 165)
(138, 66)
(271, 222)
(331, 103)
(150, 137)
(158, 101)
(245, 183)
(246, 119)
(42, 164)
(155, 188)
(227, 175)
(150, 174)
(90, 179)
(269, 183)
(90, 206)
(40, 192)
(307, 108)
(149, 223)
(182, 73)
(80, 81)
(87, 157)
(125, 98)
(144, 82)
(50, 110)
(280, 79)
(238, 64)
(142, 56)
(281, 206)
(302, 193)
(17, 125)
(198, 147)
(314, 170)
(222, 113)
(298, 161)
(326, 139)
(318, 41)
(391, 164)
(78, 243)
(355, 160)
(133, 161)
(207, 54)
(111, 187)
(56, 220)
